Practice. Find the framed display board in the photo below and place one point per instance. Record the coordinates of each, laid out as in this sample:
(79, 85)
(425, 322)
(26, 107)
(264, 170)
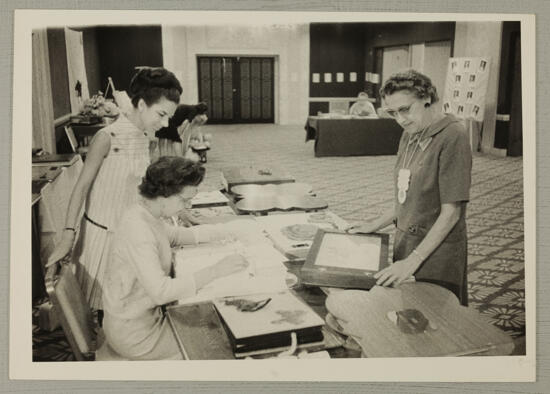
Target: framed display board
(339, 259)
(466, 87)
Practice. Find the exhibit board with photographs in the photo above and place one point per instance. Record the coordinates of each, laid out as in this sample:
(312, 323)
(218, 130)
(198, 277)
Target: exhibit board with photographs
(466, 87)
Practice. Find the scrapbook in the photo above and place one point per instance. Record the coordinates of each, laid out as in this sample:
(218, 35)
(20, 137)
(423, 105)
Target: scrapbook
(339, 259)
(293, 233)
(267, 320)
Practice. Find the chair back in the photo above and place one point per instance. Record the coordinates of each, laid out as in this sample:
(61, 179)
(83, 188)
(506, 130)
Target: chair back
(73, 311)
(69, 132)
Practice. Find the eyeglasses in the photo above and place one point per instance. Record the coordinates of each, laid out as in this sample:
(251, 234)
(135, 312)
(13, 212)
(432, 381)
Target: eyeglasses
(403, 111)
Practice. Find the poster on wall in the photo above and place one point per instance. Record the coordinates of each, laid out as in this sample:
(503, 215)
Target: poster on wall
(466, 87)
(78, 82)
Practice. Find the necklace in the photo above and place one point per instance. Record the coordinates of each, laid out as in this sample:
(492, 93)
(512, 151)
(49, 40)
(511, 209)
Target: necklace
(404, 175)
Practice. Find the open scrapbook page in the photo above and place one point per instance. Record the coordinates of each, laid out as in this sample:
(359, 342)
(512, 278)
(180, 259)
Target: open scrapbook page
(265, 271)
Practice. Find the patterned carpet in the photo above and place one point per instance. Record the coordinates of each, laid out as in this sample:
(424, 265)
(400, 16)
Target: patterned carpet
(360, 188)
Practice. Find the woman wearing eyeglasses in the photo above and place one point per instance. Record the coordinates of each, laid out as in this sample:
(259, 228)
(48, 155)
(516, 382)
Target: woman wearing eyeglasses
(117, 158)
(137, 280)
(432, 180)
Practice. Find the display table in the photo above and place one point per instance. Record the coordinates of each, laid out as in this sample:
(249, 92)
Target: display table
(353, 137)
(201, 335)
(453, 330)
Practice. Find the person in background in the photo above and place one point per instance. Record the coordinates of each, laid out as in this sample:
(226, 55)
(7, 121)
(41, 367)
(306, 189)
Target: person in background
(117, 159)
(138, 280)
(362, 107)
(183, 130)
(432, 178)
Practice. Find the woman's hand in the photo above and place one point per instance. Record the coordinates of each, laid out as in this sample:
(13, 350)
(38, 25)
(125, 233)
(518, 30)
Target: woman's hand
(229, 265)
(63, 248)
(199, 120)
(398, 272)
(186, 219)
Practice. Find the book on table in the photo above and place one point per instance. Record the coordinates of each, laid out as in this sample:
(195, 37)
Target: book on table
(272, 202)
(293, 233)
(233, 176)
(209, 199)
(267, 320)
(64, 159)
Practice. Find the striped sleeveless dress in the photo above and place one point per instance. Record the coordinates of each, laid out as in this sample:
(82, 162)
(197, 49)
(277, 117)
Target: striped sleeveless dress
(114, 188)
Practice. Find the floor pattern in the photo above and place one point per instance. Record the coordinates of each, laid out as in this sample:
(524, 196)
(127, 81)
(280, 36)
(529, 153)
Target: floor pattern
(360, 188)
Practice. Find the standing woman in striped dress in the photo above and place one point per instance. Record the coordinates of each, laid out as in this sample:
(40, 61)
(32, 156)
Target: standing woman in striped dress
(116, 161)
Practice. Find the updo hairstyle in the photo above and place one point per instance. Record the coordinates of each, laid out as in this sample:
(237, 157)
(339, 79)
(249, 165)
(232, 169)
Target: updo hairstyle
(168, 175)
(412, 81)
(152, 83)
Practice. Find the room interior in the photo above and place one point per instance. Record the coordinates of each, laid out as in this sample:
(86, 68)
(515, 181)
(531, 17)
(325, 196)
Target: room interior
(260, 87)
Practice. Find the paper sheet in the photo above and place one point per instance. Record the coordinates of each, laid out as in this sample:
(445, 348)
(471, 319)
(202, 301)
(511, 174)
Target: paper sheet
(273, 224)
(265, 272)
(345, 252)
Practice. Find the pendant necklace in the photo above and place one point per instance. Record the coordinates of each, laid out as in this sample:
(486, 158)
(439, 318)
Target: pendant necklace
(404, 175)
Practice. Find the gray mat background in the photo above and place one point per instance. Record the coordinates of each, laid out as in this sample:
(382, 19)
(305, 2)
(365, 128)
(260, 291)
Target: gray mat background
(541, 8)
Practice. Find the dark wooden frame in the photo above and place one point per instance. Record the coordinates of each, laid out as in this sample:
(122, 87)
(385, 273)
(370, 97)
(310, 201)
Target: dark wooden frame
(348, 278)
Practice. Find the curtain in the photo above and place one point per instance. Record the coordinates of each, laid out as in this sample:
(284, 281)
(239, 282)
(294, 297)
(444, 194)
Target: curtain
(43, 132)
(78, 82)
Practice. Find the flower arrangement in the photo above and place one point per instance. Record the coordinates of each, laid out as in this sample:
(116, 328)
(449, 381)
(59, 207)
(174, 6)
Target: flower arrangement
(98, 106)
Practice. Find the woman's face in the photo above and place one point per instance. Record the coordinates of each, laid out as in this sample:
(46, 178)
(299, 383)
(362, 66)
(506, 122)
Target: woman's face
(407, 110)
(178, 202)
(156, 116)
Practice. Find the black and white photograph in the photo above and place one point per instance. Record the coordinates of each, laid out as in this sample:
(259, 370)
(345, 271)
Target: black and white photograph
(185, 164)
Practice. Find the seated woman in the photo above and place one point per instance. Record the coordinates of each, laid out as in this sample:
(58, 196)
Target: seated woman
(183, 128)
(138, 280)
(362, 107)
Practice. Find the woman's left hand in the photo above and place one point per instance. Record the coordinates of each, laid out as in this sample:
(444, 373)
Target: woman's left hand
(398, 272)
(199, 120)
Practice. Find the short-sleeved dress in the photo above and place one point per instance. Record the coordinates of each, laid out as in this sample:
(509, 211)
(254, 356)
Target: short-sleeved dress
(138, 282)
(114, 189)
(440, 173)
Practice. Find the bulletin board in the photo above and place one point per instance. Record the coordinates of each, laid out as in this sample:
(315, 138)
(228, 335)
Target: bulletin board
(466, 87)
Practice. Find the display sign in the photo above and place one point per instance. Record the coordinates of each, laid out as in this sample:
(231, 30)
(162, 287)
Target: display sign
(466, 87)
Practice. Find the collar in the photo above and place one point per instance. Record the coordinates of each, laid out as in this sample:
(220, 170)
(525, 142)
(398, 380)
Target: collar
(440, 125)
(432, 130)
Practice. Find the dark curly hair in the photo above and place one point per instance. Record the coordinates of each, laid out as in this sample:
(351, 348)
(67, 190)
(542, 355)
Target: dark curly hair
(152, 83)
(183, 112)
(413, 81)
(168, 175)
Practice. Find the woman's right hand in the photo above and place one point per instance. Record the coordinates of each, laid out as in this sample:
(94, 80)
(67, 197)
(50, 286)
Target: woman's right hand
(229, 265)
(63, 248)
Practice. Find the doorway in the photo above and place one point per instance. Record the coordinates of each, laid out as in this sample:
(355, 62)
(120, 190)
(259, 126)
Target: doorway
(394, 59)
(237, 89)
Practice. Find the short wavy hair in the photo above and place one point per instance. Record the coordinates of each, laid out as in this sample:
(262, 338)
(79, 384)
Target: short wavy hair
(168, 175)
(152, 83)
(412, 81)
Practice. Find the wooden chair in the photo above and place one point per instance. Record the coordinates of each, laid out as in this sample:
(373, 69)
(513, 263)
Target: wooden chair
(73, 141)
(75, 315)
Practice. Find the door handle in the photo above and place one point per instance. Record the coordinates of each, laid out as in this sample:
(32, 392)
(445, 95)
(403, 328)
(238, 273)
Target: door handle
(234, 90)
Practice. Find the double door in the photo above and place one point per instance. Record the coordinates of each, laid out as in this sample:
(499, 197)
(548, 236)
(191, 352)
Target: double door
(237, 89)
